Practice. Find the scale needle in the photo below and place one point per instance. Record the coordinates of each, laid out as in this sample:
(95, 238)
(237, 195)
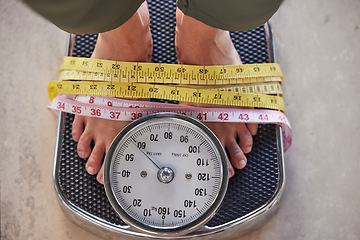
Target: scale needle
(154, 162)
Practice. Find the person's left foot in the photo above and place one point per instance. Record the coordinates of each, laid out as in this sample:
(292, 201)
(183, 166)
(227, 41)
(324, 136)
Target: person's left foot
(200, 44)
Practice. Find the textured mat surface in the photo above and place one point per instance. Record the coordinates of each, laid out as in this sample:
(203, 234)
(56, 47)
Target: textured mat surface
(248, 190)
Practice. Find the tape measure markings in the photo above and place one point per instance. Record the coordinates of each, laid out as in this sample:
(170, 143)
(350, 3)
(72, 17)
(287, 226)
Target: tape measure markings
(84, 106)
(255, 87)
(123, 110)
(214, 84)
(148, 78)
(175, 92)
(122, 103)
(195, 74)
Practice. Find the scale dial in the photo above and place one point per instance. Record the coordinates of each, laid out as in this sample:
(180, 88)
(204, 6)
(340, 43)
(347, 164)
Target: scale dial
(166, 174)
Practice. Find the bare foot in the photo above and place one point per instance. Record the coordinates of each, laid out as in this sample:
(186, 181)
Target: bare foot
(199, 44)
(101, 132)
(130, 42)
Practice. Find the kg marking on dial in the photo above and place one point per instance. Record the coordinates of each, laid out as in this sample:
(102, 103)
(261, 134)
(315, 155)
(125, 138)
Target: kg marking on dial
(166, 174)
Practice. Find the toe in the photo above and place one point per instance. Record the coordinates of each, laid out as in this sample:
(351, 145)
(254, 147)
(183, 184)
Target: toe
(94, 162)
(77, 127)
(245, 140)
(253, 127)
(231, 169)
(84, 145)
(100, 174)
(237, 157)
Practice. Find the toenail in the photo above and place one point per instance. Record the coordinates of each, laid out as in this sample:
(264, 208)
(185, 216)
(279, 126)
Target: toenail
(100, 179)
(90, 170)
(242, 163)
(231, 172)
(247, 149)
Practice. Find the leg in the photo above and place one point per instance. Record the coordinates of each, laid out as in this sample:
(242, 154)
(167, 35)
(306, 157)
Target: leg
(198, 43)
(129, 42)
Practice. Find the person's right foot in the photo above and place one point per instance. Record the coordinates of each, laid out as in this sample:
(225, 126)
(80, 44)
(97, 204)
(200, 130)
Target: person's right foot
(130, 42)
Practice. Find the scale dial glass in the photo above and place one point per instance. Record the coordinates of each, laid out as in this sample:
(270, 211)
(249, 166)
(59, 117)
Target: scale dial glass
(166, 174)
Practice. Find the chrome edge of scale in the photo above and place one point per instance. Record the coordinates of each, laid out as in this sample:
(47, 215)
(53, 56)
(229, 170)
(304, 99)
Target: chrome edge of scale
(172, 179)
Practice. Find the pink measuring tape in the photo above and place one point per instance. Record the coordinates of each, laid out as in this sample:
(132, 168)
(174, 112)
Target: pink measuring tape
(129, 110)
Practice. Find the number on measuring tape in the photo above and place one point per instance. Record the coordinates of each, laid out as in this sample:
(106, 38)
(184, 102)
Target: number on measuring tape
(244, 117)
(223, 116)
(114, 115)
(263, 117)
(61, 106)
(95, 112)
(76, 109)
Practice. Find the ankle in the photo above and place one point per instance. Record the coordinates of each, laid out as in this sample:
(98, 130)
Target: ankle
(198, 43)
(124, 47)
(189, 26)
(131, 41)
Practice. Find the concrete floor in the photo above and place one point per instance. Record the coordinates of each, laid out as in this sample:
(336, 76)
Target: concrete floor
(317, 45)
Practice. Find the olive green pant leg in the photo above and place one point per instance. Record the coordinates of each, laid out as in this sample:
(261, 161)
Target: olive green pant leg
(86, 16)
(95, 16)
(231, 15)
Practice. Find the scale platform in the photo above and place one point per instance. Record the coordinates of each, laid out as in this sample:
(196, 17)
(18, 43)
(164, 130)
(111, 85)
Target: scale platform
(253, 194)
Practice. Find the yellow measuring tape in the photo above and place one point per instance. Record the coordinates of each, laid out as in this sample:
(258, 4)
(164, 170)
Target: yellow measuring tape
(97, 69)
(235, 85)
(273, 87)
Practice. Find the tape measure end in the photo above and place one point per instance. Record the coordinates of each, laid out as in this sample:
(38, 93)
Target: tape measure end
(52, 90)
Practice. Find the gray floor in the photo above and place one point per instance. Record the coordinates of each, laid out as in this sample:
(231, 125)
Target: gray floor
(317, 45)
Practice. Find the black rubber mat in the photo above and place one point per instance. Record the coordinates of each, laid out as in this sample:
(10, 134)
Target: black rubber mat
(248, 190)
